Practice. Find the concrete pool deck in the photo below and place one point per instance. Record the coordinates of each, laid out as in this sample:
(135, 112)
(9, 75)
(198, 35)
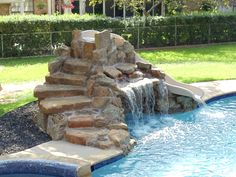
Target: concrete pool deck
(216, 88)
(85, 156)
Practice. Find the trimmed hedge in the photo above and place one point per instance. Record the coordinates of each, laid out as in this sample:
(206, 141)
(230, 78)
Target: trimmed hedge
(37, 35)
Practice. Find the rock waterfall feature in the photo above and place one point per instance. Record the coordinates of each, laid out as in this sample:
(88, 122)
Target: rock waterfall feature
(93, 83)
(139, 97)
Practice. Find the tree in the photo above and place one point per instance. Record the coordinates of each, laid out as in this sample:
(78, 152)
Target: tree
(135, 5)
(205, 5)
(173, 6)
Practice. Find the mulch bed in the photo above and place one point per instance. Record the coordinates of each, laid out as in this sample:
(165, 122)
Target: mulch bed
(18, 131)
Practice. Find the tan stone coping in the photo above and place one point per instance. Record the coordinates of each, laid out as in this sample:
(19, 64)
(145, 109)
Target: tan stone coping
(62, 151)
(216, 88)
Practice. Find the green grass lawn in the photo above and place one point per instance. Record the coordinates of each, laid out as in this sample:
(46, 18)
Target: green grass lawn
(17, 100)
(23, 69)
(197, 64)
(19, 71)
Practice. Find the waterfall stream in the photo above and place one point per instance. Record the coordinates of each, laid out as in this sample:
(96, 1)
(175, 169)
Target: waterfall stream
(141, 97)
(163, 97)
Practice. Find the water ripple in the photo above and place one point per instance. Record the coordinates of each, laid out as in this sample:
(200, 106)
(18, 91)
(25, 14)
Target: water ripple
(194, 144)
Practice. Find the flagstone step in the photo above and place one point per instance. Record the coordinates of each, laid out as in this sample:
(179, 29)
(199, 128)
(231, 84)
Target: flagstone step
(66, 79)
(57, 105)
(81, 121)
(77, 66)
(87, 120)
(51, 90)
(89, 136)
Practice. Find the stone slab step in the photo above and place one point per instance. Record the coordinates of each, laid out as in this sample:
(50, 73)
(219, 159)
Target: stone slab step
(81, 121)
(62, 104)
(66, 79)
(89, 136)
(51, 90)
(77, 66)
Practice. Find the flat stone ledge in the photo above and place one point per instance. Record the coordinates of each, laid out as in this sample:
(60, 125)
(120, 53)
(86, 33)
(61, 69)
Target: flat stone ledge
(216, 88)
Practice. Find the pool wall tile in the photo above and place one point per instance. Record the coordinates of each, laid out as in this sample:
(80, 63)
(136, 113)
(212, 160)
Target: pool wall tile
(40, 167)
(106, 162)
(220, 97)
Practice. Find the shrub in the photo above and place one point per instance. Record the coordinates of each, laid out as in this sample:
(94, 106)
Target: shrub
(37, 35)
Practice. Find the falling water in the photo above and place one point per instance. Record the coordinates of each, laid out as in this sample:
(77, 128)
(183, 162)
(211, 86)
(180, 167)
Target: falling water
(163, 97)
(140, 97)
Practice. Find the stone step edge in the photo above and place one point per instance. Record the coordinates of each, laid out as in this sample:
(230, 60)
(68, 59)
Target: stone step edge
(50, 106)
(71, 90)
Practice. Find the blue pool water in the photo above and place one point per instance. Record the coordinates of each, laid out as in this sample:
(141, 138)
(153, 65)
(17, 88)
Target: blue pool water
(198, 143)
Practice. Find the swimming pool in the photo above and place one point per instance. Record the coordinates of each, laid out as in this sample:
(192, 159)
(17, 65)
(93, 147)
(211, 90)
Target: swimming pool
(197, 143)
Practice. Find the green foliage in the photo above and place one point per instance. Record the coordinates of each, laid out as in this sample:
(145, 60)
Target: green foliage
(41, 5)
(173, 7)
(30, 35)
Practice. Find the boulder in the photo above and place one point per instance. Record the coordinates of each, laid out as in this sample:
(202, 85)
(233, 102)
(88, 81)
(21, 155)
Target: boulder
(187, 103)
(118, 126)
(119, 137)
(100, 102)
(144, 66)
(130, 57)
(56, 126)
(118, 40)
(99, 54)
(112, 72)
(100, 122)
(40, 119)
(101, 91)
(90, 87)
(113, 113)
(103, 80)
(56, 65)
(125, 68)
(103, 39)
(112, 57)
(136, 74)
(157, 73)
(121, 56)
(62, 51)
(173, 105)
(116, 101)
(88, 48)
(104, 144)
(127, 47)
(76, 47)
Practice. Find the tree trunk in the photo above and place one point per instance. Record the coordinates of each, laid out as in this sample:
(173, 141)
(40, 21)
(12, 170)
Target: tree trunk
(144, 8)
(155, 5)
(163, 9)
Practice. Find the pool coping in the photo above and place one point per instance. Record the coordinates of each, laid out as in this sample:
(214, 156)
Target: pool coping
(216, 89)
